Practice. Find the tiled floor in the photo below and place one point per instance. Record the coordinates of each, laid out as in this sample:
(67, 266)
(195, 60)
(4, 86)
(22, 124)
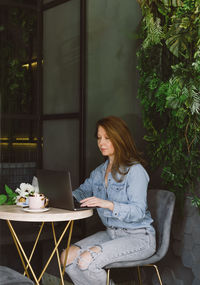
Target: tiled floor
(53, 280)
(49, 279)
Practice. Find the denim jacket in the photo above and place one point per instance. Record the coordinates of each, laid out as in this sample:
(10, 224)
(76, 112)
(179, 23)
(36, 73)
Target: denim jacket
(129, 197)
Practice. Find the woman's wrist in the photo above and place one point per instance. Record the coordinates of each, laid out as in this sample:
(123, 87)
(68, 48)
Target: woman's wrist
(111, 206)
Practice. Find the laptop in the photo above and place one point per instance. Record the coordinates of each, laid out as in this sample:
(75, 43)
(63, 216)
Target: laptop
(57, 187)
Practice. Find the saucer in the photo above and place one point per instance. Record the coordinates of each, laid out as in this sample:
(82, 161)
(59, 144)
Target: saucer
(36, 210)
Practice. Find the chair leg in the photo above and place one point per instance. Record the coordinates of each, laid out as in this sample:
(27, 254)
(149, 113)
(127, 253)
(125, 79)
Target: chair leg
(158, 274)
(139, 275)
(108, 277)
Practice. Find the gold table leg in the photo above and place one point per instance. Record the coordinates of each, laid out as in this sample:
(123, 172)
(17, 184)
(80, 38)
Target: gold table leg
(57, 253)
(23, 254)
(54, 250)
(67, 249)
(34, 246)
(16, 240)
(18, 249)
(58, 256)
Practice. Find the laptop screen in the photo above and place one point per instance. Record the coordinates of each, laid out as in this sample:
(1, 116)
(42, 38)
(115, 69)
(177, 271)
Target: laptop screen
(56, 185)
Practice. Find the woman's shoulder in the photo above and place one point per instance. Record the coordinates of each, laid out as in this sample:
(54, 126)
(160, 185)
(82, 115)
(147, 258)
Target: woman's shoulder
(138, 169)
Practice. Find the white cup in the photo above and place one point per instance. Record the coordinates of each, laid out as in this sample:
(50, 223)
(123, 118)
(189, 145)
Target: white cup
(38, 201)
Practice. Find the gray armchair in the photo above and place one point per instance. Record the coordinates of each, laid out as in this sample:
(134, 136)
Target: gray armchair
(9, 276)
(161, 205)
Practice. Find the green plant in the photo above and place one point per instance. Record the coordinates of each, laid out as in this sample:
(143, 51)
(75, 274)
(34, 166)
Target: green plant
(8, 199)
(169, 67)
(195, 201)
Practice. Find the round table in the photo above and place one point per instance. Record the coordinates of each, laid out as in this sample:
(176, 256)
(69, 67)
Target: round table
(16, 213)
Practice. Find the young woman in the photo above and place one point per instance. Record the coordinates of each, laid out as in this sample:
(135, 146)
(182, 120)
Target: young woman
(118, 187)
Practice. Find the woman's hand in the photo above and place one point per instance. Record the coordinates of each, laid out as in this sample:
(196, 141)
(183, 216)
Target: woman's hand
(97, 202)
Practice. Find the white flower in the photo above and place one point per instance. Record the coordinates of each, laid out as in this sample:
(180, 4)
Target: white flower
(26, 186)
(25, 189)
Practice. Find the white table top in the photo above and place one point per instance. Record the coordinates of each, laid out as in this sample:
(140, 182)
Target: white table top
(17, 213)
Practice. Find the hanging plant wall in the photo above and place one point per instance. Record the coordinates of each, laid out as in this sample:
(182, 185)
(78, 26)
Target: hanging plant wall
(169, 68)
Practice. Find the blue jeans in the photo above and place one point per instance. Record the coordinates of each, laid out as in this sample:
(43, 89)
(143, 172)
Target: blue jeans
(113, 245)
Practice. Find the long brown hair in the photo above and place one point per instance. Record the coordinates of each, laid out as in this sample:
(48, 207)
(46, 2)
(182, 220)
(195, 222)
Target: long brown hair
(126, 153)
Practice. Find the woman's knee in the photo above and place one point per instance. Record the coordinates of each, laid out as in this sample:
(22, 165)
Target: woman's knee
(87, 256)
(72, 254)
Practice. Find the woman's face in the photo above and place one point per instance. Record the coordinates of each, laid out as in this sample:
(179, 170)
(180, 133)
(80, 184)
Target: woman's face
(104, 143)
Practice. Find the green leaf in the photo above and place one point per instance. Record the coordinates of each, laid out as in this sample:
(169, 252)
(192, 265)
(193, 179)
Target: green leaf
(10, 201)
(8, 190)
(149, 138)
(185, 23)
(3, 199)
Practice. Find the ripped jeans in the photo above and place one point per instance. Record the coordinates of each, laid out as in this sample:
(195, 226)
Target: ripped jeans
(109, 246)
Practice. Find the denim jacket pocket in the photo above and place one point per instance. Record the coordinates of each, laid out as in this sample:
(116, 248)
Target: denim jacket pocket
(117, 187)
(98, 186)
